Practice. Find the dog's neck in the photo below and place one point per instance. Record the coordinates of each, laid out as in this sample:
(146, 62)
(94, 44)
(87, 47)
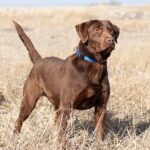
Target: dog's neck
(87, 50)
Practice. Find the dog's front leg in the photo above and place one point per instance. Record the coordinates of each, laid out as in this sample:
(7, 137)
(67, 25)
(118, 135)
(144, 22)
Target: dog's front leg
(62, 116)
(100, 108)
(100, 113)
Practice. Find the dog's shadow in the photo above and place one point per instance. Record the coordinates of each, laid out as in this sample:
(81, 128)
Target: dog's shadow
(120, 127)
(124, 127)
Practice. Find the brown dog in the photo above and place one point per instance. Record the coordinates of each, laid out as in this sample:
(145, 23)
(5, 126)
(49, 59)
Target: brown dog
(79, 82)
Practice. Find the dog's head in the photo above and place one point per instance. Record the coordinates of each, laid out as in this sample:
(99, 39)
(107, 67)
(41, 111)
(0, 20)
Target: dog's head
(100, 35)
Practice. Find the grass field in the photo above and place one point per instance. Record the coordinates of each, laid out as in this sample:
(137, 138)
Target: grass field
(52, 32)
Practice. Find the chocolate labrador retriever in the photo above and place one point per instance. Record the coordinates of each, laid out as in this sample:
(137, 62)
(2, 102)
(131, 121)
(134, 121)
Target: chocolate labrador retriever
(78, 82)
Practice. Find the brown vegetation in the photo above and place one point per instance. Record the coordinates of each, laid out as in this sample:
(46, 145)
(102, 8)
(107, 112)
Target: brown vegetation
(128, 117)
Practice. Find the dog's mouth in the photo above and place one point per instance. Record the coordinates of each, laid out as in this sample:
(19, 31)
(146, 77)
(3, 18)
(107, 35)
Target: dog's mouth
(108, 47)
(106, 52)
(101, 55)
(104, 55)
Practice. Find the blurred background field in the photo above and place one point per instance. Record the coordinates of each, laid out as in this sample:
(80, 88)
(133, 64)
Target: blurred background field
(52, 30)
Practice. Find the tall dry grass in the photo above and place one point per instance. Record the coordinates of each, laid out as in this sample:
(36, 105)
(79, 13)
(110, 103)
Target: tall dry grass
(52, 32)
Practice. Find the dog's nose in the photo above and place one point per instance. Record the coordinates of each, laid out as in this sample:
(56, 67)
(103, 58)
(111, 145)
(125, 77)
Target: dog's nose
(110, 40)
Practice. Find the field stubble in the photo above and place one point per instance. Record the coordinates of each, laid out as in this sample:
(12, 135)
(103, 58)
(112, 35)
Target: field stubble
(52, 32)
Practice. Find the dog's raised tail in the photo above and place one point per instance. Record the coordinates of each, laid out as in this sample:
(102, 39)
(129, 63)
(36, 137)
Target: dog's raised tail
(34, 55)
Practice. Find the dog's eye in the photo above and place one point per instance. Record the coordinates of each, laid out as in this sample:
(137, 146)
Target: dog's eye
(97, 29)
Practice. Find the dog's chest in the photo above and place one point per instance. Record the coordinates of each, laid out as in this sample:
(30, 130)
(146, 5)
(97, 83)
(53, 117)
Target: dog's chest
(87, 98)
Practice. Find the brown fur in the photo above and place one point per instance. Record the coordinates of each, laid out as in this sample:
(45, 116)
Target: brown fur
(73, 82)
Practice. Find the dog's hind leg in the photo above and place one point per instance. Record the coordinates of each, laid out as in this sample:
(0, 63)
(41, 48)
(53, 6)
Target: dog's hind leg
(32, 93)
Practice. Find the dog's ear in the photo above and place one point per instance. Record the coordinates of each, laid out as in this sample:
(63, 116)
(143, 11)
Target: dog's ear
(82, 30)
(117, 32)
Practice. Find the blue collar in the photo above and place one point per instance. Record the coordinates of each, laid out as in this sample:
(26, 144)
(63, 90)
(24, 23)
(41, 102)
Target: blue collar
(86, 58)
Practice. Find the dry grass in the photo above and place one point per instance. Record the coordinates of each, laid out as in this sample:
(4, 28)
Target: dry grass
(52, 32)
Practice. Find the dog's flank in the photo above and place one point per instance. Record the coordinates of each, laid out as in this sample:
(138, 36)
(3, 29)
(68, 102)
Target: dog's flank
(34, 55)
